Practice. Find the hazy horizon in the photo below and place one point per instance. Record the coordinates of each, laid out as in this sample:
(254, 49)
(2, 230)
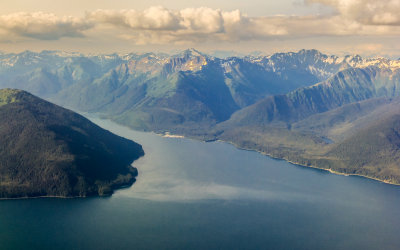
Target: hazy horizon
(222, 54)
(339, 27)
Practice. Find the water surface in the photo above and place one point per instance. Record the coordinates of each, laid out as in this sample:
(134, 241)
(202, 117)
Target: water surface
(196, 195)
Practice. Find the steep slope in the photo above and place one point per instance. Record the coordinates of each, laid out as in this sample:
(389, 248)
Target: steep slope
(196, 89)
(338, 124)
(348, 86)
(47, 150)
(181, 99)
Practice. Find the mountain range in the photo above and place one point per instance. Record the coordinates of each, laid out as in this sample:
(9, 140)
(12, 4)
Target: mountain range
(305, 106)
(186, 88)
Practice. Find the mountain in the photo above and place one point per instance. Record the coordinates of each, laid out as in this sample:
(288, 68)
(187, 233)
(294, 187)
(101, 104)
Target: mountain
(340, 123)
(160, 92)
(47, 150)
(348, 86)
(191, 88)
(360, 138)
(348, 124)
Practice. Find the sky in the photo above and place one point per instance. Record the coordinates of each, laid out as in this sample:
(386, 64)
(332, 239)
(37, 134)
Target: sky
(365, 27)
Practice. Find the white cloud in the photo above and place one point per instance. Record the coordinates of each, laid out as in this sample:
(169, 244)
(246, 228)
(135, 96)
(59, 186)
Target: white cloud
(159, 25)
(39, 25)
(157, 18)
(370, 12)
(154, 18)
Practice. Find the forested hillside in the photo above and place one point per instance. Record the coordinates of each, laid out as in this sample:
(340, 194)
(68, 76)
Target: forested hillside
(46, 150)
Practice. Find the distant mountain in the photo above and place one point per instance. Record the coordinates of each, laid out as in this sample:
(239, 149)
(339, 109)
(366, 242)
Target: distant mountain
(47, 150)
(156, 91)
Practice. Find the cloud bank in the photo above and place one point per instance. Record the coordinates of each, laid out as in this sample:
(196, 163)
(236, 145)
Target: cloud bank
(42, 26)
(159, 25)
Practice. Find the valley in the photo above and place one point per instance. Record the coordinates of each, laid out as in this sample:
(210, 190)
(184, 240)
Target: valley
(324, 111)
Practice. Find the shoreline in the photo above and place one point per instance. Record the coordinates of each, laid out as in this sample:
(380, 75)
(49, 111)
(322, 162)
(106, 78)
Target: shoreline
(311, 166)
(168, 135)
(343, 174)
(50, 196)
(114, 189)
(263, 153)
